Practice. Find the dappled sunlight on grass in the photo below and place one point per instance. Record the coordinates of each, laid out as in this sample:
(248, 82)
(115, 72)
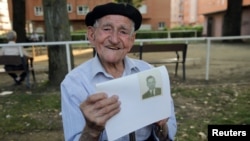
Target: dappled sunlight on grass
(21, 113)
(198, 107)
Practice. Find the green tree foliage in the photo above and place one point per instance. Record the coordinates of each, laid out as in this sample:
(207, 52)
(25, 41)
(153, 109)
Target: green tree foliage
(136, 3)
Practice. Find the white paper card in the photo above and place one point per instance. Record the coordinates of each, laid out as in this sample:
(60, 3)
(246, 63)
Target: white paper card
(136, 111)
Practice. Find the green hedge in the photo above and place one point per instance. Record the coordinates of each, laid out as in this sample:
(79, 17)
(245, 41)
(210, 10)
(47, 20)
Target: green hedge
(77, 37)
(174, 34)
(80, 35)
(3, 40)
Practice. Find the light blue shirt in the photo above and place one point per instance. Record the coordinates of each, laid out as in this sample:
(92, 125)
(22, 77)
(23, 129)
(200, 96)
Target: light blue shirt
(80, 83)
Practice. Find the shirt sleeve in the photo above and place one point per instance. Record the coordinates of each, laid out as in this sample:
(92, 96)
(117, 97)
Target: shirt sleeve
(72, 94)
(171, 124)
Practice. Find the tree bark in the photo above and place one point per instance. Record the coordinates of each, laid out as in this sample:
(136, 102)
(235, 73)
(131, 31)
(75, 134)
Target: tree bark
(57, 29)
(19, 20)
(232, 18)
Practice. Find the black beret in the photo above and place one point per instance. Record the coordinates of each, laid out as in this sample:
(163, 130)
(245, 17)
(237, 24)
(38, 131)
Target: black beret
(116, 9)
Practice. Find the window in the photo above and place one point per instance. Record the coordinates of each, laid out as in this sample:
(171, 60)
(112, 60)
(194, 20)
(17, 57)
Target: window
(161, 25)
(69, 8)
(38, 11)
(143, 9)
(82, 10)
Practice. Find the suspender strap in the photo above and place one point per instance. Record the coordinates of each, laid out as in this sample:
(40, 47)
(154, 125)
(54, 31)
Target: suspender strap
(132, 136)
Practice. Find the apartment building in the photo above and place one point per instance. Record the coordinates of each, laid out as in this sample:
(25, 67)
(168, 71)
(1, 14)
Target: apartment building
(214, 11)
(156, 14)
(4, 17)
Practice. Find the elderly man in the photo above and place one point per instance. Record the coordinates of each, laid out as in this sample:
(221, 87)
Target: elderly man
(15, 50)
(111, 29)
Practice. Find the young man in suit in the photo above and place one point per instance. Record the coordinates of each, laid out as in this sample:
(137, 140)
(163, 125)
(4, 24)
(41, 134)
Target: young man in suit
(152, 90)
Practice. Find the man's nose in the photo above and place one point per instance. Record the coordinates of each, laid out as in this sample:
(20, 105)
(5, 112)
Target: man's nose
(114, 38)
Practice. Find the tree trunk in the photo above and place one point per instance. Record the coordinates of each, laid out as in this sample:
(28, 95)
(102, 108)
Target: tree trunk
(232, 18)
(19, 20)
(57, 29)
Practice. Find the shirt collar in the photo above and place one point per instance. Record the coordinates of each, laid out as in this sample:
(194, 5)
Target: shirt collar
(97, 67)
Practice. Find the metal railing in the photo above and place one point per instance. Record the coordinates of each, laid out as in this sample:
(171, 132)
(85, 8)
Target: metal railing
(140, 41)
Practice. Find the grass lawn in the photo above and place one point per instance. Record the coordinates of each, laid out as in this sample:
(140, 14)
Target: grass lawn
(196, 106)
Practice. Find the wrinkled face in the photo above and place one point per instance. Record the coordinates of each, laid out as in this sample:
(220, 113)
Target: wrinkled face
(113, 37)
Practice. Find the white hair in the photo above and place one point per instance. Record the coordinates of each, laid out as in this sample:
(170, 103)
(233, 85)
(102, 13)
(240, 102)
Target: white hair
(11, 35)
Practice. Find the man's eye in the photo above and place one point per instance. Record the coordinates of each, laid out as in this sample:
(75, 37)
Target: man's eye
(106, 29)
(124, 32)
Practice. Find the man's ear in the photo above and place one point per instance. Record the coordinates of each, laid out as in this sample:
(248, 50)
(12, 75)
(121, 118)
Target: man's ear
(132, 41)
(91, 34)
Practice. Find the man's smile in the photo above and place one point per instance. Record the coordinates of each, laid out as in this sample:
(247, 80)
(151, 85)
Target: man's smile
(113, 48)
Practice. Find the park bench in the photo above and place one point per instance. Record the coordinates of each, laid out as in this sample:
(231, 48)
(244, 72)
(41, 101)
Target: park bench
(17, 59)
(152, 48)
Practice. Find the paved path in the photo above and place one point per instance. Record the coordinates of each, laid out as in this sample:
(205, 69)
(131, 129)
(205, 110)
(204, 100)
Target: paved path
(225, 59)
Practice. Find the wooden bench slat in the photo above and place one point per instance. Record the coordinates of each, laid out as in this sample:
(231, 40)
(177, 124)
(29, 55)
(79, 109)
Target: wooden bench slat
(163, 61)
(11, 60)
(178, 47)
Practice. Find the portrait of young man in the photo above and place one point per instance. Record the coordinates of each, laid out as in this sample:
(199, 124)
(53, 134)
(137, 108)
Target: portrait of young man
(152, 89)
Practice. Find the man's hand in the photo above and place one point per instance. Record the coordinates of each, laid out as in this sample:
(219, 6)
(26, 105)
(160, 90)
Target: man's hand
(97, 110)
(162, 130)
(162, 122)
